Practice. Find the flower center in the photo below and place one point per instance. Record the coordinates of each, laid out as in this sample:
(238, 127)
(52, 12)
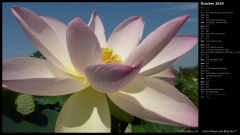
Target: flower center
(109, 57)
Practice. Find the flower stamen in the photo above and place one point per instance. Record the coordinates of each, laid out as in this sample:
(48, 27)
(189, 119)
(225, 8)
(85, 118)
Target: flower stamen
(109, 57)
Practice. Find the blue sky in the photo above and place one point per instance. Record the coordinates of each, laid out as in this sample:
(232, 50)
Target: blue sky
(16, 43)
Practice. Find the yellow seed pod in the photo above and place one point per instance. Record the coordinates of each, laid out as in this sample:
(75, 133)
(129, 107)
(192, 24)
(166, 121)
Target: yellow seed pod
(25, 104)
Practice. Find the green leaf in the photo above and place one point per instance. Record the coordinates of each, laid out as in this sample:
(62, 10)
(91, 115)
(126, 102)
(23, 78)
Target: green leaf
(44, 100)
(138, 129)
(186, 82)
(40, 121)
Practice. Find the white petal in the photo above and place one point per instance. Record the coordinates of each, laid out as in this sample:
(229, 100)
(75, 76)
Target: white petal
(111, 77)
(38, 77)
(156, 40)
(29, 67)
(43, 36)
(85, 111)
(126, 36)
(60, 30)
(97, 26)
(83, 45)
(166, 75)
(180, 45)
(157, 101)
(58, 27)
(45, 86)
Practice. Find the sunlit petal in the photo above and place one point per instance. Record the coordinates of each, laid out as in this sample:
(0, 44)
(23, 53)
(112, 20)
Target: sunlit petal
(38, 77)
(156, 41)
(85, 111)
(166, 75)
(43, 36)
(96, 25)
(157, 101)
(180, 45)
(83, 46)
(126, 36)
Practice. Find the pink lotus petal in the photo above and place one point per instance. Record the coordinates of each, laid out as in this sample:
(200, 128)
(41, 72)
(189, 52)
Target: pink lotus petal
(166, 75)
(156, 41)
(38, 77)
(96, 25)
(85, 111)
(111, 77)
(43, 36)
(58, 27)
(83, 45)
(45, 86)
(28, 67)
(157, 101)
(180, 45)
(126, 36)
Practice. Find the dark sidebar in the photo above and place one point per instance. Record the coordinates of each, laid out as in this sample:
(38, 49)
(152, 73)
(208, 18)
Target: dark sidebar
(219, 67)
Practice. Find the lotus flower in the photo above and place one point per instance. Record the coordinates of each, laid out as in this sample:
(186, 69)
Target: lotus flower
(79, 60)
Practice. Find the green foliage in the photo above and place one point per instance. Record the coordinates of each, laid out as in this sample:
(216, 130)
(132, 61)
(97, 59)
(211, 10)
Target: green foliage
(25, 104)
(187, 83)
(43, 119)
(45, 100)
(138, 129)
(37, 122)
(187, 72)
